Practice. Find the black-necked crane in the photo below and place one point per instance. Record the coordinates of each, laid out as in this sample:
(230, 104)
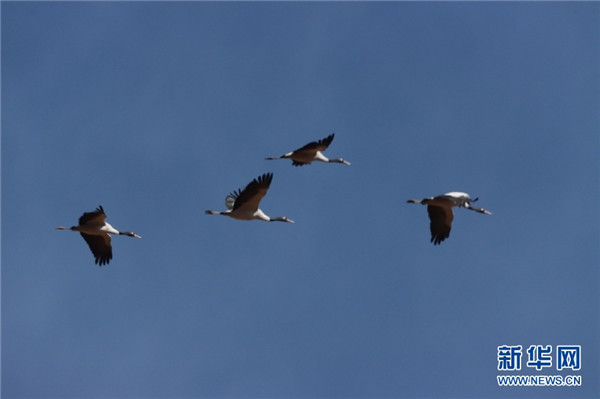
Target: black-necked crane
(96, 232)
(243, 204)
(311, 152)
(440, 212)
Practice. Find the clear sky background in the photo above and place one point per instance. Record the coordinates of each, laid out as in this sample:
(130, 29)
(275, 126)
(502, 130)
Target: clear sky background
(157, 111)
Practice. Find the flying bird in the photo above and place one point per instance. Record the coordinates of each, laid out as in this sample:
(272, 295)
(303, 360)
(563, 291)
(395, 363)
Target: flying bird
(311, 152)
(440, 212)
(243, 204)
(95, 231)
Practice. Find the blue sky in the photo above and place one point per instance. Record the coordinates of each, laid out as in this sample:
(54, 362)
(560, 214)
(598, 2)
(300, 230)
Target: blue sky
(156, 111)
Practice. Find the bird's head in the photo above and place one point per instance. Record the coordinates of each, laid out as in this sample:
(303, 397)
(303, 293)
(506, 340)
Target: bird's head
(341, 160)
(129, 234)
(282, 219)
(481, 210)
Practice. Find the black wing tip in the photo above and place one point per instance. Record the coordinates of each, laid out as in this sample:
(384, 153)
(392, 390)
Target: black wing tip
(100, 209)
(437, 240)
(103, 260)
(265, 178)
(235, 193)
(327, 140)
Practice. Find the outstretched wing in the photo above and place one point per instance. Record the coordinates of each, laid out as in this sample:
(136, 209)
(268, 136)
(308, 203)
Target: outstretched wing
(441, 222)
(320, 145)
(249, 198)
(95, 218)
(100, 247)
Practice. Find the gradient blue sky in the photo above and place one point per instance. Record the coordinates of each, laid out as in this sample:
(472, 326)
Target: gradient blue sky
(157, 111)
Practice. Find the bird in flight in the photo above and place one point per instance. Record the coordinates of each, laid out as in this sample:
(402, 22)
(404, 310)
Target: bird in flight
(243, 204)
(312, 151)
(96, 232)
(440, 212)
